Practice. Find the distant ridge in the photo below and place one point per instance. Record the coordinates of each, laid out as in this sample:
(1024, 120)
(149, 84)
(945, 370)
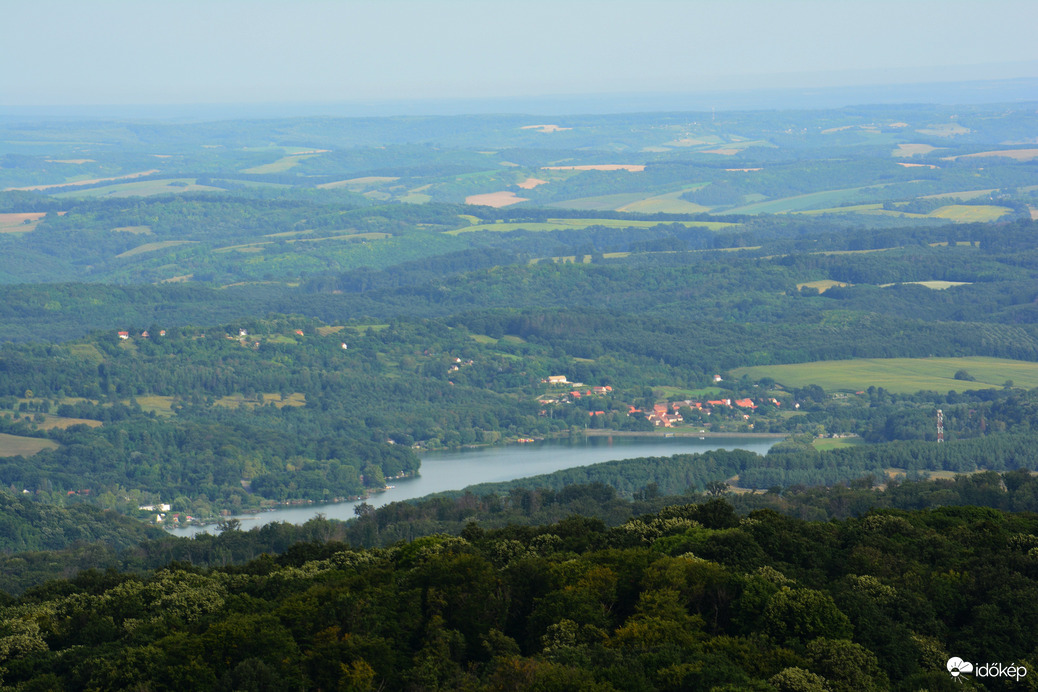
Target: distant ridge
(971, 92)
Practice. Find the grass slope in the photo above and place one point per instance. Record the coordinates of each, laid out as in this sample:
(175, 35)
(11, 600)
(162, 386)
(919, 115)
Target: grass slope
(900, 375)
(16, 445)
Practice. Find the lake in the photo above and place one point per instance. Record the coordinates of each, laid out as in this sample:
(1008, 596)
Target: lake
(457, 469)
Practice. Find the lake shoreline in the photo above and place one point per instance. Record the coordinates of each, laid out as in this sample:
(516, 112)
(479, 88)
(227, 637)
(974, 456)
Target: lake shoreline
(452, 470)
(679, 433)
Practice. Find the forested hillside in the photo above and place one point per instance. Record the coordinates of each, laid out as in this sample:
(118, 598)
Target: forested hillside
(690, 597)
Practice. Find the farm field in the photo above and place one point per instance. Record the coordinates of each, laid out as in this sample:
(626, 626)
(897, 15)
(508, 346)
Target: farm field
(813, 200)
(824, 444)
(92, 181)
(566, 224)
(144, 188)
(822, 285)
(20, 223)
(900, 375)
(935, 285)
(52, 422)
(495, 199)
(237, 400)
(150, 247)
(16, 445)
(283, 164)
(602, 202)
(669, 203)
(159, 405)
(359, 183)
(970, 213)
(1015, 154)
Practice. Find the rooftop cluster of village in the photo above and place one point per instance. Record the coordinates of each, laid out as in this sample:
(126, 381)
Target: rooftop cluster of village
(660, 414)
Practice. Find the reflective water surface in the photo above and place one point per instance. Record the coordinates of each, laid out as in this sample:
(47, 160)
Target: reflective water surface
(458, 469)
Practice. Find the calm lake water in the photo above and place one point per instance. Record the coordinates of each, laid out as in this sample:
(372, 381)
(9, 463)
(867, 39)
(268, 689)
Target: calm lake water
(458, 469)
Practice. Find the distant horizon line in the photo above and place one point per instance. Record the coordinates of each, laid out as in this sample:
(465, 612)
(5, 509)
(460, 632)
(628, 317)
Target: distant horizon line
(944, 92)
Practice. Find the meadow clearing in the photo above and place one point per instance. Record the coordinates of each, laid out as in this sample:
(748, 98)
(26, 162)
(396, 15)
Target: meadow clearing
(899, 375)
(16, 445)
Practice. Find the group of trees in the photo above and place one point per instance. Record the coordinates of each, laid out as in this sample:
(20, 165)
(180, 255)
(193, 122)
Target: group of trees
(691, 596)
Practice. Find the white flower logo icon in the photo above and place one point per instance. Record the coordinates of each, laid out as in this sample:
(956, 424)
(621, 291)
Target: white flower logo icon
(956, 666)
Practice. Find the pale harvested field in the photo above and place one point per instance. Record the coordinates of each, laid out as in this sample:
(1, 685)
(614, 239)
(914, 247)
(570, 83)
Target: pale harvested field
(495, 199)
(531, 183)
(547, 129)
(692, 142)
(16, 222)
(1015, 154)
(86, 182)
(913, 149)
(136, 230)
(75, 161)
(358, 182)
(964, 195)
(916, 165)
(634, 168)
(279, 166)
(1034, 213)
(934, 285)
(743, 170)
(722, 152)
(944, 130)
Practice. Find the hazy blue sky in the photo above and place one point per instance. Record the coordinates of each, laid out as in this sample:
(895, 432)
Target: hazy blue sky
(221, 51)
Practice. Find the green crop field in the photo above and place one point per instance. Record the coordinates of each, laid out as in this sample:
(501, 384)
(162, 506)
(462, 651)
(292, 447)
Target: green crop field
(15, 445)
(600, 203)
(970, 213)
(669, 203)
(960, 213)
(144, 188)
(824, 444)
(566, 224)
(815, 200)
(150, 247)
(900, 375)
